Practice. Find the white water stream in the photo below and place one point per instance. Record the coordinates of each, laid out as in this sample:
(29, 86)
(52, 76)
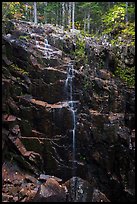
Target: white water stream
(71, 103)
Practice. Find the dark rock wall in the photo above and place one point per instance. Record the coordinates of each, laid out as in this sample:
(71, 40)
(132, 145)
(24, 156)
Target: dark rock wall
(37, 120)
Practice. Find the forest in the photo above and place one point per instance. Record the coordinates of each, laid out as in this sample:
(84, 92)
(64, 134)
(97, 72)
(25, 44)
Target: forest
(91, 17)
(68, 101)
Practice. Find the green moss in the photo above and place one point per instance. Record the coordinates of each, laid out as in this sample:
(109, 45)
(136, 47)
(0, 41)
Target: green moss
(26, 37)
(22, 71)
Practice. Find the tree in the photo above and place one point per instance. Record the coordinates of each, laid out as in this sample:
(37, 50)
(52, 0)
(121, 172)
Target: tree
(92, 17)
(126, 16)
(45, 17)
(35, 12)
(14, 10)
(69, 14)
(63, 14)
(88, 25)
(73, 15)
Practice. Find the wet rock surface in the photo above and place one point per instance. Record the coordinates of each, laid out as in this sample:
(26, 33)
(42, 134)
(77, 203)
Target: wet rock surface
(37, 121)
(51, 191)
(79, 190)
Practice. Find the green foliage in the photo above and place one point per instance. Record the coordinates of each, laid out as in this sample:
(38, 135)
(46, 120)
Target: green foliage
(114, 24)
(129, 32)
(115, 14)
(104, 16)
(14, 10)
(80, 50)
(113, 18)
(127, 75)
(125, 34)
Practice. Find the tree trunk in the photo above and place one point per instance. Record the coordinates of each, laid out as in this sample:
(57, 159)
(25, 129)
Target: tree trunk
(45, 16)
(60, 19)
(85, 23)
(57, 17)
(26, 8)
(35, 12)
(69, 15)
(27, 14)
(63, 14)
(88, 25)
(73, 15)
(66, 13)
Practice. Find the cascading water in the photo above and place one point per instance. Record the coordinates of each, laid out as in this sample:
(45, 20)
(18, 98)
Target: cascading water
(46, 43)
(37, 43)
(47, 48)
(71, 103)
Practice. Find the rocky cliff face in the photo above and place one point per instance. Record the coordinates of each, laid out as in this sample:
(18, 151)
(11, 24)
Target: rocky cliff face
(37, 120)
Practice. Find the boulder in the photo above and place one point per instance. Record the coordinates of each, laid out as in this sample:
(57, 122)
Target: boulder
(44, 177)
(99, 196)
(80, 190)
(51, 191)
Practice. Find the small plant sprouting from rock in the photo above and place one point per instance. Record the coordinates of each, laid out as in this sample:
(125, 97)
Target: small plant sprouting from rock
(82, 158)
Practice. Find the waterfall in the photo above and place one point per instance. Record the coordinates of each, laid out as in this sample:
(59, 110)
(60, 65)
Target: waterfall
(46, 43)
(47, 47)
(72, 106)
(47, 53)
(71, 103)
(37, 43)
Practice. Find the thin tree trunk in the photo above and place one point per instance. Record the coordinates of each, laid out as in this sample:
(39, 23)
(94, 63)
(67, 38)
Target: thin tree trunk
(35, 12)
(69, 15)
(26, 9)
(85, 23)
(63, 14)
(45, 16)
(60, 13)
(109, 5)
(31, 10)
(73, 15)
(57, 17)
(88, 25)
(66, 13)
